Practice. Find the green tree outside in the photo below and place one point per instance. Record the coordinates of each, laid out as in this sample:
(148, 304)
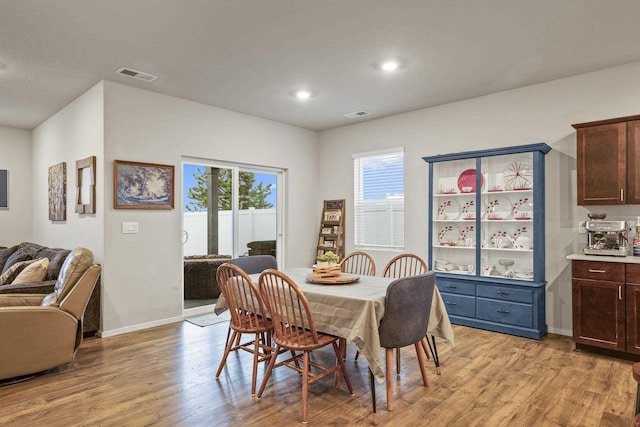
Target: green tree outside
(251, 195)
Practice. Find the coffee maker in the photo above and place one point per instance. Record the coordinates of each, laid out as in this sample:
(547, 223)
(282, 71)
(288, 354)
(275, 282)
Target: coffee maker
(606, 237)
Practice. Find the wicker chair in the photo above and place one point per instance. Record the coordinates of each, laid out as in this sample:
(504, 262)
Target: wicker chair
(405, 322)
(248, 316)
(406, 265)
(294, 329)
(358, 263)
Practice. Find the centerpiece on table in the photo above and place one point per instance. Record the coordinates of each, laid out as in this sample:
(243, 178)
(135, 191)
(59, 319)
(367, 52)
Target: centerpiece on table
(327, 265)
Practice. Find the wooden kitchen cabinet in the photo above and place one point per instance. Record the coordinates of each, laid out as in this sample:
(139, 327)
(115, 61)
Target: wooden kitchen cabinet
(598, 304)
(633, 307)
(608, 163)
(606, 305)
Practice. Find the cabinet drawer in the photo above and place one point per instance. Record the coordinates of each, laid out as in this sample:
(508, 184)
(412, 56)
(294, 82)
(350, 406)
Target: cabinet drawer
(511, 313)
(456, 287)
(505, 293)
(596, 270)
(633, 273)
(459, 305)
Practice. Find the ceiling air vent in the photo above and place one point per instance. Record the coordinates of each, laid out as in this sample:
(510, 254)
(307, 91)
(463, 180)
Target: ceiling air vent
(136, 74)
(357, 114)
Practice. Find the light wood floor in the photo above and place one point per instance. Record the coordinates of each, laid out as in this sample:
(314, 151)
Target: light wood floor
(166, 376)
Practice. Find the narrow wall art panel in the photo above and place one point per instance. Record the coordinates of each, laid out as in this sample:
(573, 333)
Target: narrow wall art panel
(58, 192)
(4, 188)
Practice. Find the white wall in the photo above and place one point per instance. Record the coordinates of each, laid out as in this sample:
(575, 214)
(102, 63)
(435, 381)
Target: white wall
(540, 113)
(74, 133)
(15, 156)
(143, 272)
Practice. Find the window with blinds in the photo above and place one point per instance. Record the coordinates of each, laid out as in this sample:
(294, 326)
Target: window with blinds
(379, 199)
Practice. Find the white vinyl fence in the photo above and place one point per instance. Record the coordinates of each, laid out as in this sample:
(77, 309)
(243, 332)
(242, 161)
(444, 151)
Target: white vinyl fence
(255, 224)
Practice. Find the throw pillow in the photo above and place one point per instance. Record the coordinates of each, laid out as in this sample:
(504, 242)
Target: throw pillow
(13, 271)
(5, 254)
(34, 272)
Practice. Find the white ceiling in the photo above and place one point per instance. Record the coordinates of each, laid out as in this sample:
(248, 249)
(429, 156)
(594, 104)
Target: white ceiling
(251, 55)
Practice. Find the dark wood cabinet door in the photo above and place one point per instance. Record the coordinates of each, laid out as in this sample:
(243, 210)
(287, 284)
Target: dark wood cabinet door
(633, 318)
(602, 164)
(633, 162)
(599, 314)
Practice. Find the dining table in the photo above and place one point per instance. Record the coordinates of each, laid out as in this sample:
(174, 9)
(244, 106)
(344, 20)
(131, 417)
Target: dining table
(353, 311)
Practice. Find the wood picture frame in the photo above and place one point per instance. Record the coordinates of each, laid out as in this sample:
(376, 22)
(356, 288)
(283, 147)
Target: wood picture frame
(86, 185)
(142, 185)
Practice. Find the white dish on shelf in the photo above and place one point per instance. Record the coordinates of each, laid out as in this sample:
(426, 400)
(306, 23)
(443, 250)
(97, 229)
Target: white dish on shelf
(523, 208)
(518, 175)
(524, 274)
(498, 208)
(449, 235)
(448, 209)
(522, 238)
(500, 240)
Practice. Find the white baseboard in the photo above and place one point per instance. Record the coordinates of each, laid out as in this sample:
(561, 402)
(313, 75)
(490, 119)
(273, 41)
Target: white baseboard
(557, 331)
(139, 327)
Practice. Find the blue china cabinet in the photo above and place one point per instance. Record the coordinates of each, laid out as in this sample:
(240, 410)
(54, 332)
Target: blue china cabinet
(486, 237)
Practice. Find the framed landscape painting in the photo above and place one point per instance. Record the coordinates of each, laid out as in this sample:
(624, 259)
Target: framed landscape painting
(142, 185)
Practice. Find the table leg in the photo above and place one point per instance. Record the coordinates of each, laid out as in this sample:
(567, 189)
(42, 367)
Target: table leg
(434, 351)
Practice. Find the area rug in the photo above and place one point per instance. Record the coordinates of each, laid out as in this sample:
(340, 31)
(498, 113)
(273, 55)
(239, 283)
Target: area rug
(209, 319)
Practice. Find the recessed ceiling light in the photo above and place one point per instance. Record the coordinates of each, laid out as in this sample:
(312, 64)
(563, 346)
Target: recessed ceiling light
(390, 65)
(303, 94)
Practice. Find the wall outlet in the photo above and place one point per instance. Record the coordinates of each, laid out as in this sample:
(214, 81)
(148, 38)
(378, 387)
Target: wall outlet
(581, 228)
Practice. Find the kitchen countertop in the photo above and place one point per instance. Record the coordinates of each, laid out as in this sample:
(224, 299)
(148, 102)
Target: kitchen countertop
(604, 258)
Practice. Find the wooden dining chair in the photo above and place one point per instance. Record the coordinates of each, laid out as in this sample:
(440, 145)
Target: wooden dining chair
(405, 322)
(253, 265)
(248, 316)
(405, 265)
(358, 263)
(294, 329)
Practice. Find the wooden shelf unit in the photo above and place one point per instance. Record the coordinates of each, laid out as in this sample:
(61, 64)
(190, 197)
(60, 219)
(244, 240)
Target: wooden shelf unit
(331, 232)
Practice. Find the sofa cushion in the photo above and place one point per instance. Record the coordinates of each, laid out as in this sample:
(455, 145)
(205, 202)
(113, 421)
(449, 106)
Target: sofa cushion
(17, 256)
(56, 258)
(73, 268)
(5, 254)
(34, 272)
(30, 248)
(13, 271)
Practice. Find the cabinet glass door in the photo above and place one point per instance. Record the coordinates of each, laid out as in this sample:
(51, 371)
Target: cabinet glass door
(506, 216)
(455, 214)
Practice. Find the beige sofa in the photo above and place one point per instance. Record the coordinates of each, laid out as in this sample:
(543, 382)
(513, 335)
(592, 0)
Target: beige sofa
(56, 256)
(40, 332)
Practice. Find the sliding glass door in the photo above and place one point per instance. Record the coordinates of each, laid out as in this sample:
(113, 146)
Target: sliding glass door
(229, 209)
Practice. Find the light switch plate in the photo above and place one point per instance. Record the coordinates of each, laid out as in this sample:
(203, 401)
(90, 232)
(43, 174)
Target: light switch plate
(129, 228)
